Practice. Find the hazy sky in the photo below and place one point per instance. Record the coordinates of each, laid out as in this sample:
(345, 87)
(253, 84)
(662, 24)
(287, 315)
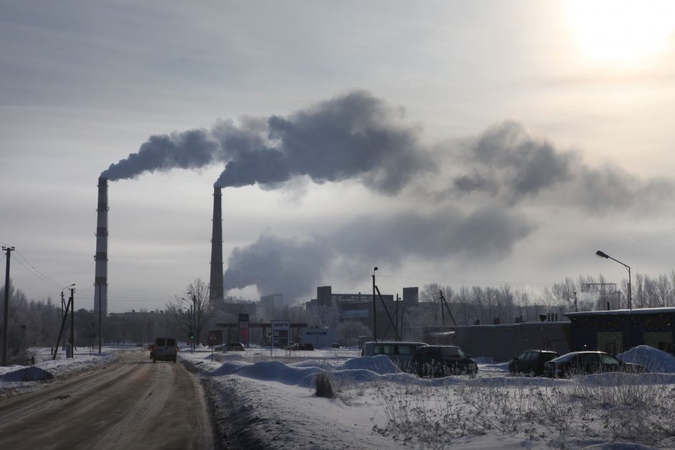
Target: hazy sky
(463, 143)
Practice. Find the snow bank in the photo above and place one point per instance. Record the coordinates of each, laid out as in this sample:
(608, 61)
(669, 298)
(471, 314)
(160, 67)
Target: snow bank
(655, 360)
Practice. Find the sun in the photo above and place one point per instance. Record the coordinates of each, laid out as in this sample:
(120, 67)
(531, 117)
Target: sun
(621, 32)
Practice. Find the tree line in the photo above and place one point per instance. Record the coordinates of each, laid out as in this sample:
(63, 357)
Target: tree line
(37, 323)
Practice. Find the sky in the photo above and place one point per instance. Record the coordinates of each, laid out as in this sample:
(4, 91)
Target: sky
(460, 143)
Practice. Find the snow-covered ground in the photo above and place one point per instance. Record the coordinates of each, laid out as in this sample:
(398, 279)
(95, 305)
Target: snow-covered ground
(266, 398)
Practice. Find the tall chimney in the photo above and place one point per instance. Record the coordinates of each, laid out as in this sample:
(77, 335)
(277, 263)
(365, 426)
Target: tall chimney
(217, 291)
(101, 277)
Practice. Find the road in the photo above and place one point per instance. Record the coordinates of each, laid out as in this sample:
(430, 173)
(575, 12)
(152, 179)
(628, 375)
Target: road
(131, 404)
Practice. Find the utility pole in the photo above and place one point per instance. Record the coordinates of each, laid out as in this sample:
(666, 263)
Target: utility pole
(5, 320)
(72, 322)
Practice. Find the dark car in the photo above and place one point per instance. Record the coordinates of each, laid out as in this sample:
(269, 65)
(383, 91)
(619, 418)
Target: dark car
(531, 362)
(582, 363)
(442, 360)
(234, 347)
(298, 346)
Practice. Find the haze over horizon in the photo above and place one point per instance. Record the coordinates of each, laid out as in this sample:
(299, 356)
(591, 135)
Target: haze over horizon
(444, 143)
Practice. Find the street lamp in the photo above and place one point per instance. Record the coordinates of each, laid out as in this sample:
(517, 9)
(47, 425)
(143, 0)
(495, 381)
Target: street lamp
(602, 254)
(193, 297)
(374, 308)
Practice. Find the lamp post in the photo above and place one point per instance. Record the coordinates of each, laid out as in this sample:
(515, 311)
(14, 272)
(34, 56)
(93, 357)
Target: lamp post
(193, 318)
(602, 254)
(374, 308)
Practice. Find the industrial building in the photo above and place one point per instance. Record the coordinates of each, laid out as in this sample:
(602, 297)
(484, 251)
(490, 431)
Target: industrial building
(619, 330)
(389, 312)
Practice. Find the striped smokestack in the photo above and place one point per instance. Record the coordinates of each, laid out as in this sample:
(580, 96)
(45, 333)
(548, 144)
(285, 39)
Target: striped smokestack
(101, 278)
(216, 282)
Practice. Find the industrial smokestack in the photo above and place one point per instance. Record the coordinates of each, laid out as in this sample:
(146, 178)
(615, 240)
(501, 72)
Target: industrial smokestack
(216, 282)
(101, 276)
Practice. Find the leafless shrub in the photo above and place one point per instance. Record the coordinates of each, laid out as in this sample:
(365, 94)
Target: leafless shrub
(323, 386)
(613, 408)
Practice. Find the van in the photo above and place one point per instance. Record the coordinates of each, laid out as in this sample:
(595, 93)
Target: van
(443, 360)
(400, 352)
(164, 349)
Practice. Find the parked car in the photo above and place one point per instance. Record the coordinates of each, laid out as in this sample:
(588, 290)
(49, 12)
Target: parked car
(400, 352)
(442, 360)
(531, 362)
(234, 347)
(164, 349)
(298, 346)
(586, 362)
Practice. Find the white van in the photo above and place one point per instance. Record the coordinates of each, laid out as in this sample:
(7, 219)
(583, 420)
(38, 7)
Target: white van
(165, 348)
(401, 352)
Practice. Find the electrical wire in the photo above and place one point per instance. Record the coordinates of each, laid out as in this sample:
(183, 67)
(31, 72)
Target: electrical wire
(28, 266)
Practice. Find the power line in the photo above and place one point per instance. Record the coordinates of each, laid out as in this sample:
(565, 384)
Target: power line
(28, 266)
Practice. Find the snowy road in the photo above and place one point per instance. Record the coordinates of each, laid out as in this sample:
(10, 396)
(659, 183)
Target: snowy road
(131, 404)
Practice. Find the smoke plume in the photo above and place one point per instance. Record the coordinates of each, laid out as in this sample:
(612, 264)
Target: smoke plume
(294, 266)
(465, 186)
(188, 150)
(353, 136)
(510, 164)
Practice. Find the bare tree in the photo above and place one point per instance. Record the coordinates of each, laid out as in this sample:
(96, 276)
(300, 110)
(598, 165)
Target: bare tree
(348, 332)
(431, 293)
(638, 291)
(192, 311)
(664, 291)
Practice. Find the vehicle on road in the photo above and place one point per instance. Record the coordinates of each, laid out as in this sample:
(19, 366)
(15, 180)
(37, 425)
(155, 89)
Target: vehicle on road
(531, 362)
(434, 361)
(164, 349)
(587, 362)
(400, 352)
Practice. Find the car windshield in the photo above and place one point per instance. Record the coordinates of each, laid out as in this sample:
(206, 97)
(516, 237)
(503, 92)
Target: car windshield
(565, 358)
(609, 360)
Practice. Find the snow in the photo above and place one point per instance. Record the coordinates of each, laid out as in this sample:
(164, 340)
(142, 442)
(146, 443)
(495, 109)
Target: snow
(267, 399)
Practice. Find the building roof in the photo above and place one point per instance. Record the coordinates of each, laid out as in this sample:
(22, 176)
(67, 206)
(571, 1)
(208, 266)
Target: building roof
(616, 312)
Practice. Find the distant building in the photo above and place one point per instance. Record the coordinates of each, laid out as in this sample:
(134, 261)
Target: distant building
(620, 330)
(359, 307)
(502, 342)
(319, 337)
